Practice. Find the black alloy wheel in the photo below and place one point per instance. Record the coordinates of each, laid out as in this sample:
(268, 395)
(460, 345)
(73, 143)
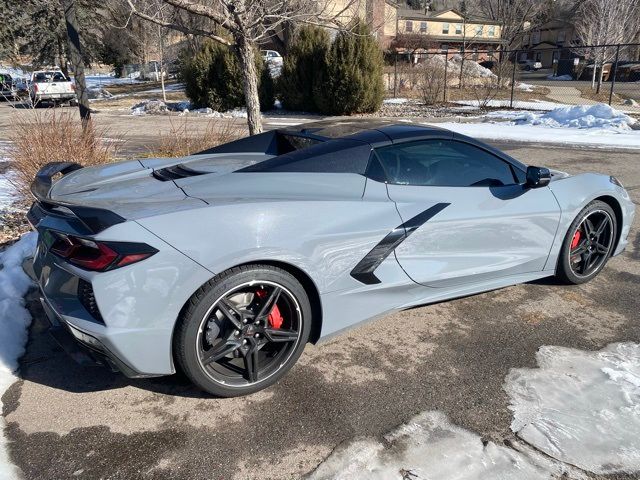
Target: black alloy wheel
(243, 330)
(589, 243)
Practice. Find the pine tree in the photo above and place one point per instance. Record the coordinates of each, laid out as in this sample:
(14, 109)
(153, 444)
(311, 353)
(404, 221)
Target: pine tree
(213, 78)
(302, 68)
(352, 80)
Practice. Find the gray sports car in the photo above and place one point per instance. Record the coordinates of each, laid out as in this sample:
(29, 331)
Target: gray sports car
(226, 263)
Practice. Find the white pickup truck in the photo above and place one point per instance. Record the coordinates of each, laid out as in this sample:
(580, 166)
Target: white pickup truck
(51, 86)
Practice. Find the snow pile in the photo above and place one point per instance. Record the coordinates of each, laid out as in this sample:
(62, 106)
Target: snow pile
(579, 116)
(525, 87)
(562, 78)
(95, 93)
(471, 68)
(149, 106)
(159, 107)
(14, 321)
(429, 446)
(581, 407)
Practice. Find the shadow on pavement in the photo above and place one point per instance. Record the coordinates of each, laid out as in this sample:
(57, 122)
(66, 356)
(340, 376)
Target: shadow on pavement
(46, 363)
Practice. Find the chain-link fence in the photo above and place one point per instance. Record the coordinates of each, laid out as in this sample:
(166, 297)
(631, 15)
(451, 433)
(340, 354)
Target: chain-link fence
(525, 78)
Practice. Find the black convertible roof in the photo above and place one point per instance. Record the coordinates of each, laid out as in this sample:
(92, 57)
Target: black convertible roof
(373, 131)
(340, 145)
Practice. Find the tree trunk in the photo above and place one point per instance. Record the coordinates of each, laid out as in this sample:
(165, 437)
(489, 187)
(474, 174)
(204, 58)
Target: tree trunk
(250, 84)
(600, 78)
(75, 55)
(593, 77)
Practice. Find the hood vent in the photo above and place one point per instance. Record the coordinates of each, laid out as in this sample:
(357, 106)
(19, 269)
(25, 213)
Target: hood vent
(175, 172)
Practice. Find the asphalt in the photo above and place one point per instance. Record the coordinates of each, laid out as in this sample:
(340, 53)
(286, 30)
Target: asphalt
(66, 421)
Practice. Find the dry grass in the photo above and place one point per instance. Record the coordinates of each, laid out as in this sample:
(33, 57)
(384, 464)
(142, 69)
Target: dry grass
(182, 140)
(53, 136)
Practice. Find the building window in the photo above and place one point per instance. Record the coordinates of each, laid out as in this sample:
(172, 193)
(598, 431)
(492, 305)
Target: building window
(408, 27)
(479, 30)
(423, 27)
(562, 36)
(445, 28)
(492, 31)
(535, 38)
(458, 29)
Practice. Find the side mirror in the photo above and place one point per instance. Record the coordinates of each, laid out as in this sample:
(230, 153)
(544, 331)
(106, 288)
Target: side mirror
(538, 177)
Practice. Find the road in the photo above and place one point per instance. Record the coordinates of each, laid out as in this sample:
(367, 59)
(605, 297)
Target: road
(66, 421)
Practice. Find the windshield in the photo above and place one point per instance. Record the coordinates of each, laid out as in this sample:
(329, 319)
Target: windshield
(50, 77)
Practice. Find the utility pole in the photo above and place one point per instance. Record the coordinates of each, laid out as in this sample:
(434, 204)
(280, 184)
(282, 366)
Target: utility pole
(75, 56)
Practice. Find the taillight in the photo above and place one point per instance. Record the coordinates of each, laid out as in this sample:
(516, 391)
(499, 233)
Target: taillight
(35, 87)
(73, 87)
(98, 256)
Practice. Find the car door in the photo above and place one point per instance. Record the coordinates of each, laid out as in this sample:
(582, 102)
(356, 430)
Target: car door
(467, 213)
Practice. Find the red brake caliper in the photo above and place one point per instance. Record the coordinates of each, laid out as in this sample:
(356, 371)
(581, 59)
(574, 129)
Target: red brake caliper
(275, 317)
(576, 239)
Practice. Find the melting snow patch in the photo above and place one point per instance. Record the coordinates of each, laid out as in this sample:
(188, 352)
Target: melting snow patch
(395, 101)
(581, 407)
(429, 447)
(14, 321)
(562, 78)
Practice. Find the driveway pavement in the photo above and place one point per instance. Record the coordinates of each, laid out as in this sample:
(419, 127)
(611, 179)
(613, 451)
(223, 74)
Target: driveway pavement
(66, 421)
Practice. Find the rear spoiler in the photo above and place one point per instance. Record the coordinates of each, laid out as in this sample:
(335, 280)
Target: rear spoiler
(88, 220)
(42, 182)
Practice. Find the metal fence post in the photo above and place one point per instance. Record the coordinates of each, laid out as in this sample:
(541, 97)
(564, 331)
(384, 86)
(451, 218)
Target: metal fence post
(446, 65)
(513, 79)
(395, 75)
(615, 72)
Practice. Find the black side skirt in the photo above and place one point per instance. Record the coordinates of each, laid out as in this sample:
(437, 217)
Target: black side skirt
(363, 271)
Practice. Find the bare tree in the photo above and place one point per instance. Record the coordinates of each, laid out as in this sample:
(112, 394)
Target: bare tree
(603, 22)
(242, 24)
(514, 16)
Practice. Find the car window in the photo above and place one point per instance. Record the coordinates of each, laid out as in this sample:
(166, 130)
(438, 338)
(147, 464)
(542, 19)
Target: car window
(444, 163)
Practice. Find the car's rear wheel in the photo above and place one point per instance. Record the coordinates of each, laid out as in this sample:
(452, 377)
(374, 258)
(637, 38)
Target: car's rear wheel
(243, 330)
(588, 245)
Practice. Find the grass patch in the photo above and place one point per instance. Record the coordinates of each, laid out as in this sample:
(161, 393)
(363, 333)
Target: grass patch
(53, 136)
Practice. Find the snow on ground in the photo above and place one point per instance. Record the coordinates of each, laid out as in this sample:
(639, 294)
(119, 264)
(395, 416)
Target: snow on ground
(583, 125)
(562, 78)
(578, 116)
(581, 407)
(592, 137)
(158, 106)
(537, 105)
(525, 87)
(14, 321)
(430, 447)
(395, 101)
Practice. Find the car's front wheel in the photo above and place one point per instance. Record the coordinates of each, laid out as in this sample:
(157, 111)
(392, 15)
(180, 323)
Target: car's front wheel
(588, 245)
(243, 330)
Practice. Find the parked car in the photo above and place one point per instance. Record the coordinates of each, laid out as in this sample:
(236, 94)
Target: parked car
(587, 73)
(490, 64)
(530, 64)
(226, 263)
(628, 72)
(272, 57)
(51, 86)
(8, 90)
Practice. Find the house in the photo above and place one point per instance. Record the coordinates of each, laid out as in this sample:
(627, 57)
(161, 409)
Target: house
(381, 15)
(447, 31)
(548, 43)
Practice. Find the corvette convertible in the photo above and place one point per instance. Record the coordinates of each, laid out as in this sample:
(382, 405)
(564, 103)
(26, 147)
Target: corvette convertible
(225, 264)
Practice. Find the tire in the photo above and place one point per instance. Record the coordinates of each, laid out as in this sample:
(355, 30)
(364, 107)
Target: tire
(570, 262)
(257, 351)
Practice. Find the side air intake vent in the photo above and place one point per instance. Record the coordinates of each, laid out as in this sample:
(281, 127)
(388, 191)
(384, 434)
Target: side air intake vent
(175, 172)
(88, 299)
